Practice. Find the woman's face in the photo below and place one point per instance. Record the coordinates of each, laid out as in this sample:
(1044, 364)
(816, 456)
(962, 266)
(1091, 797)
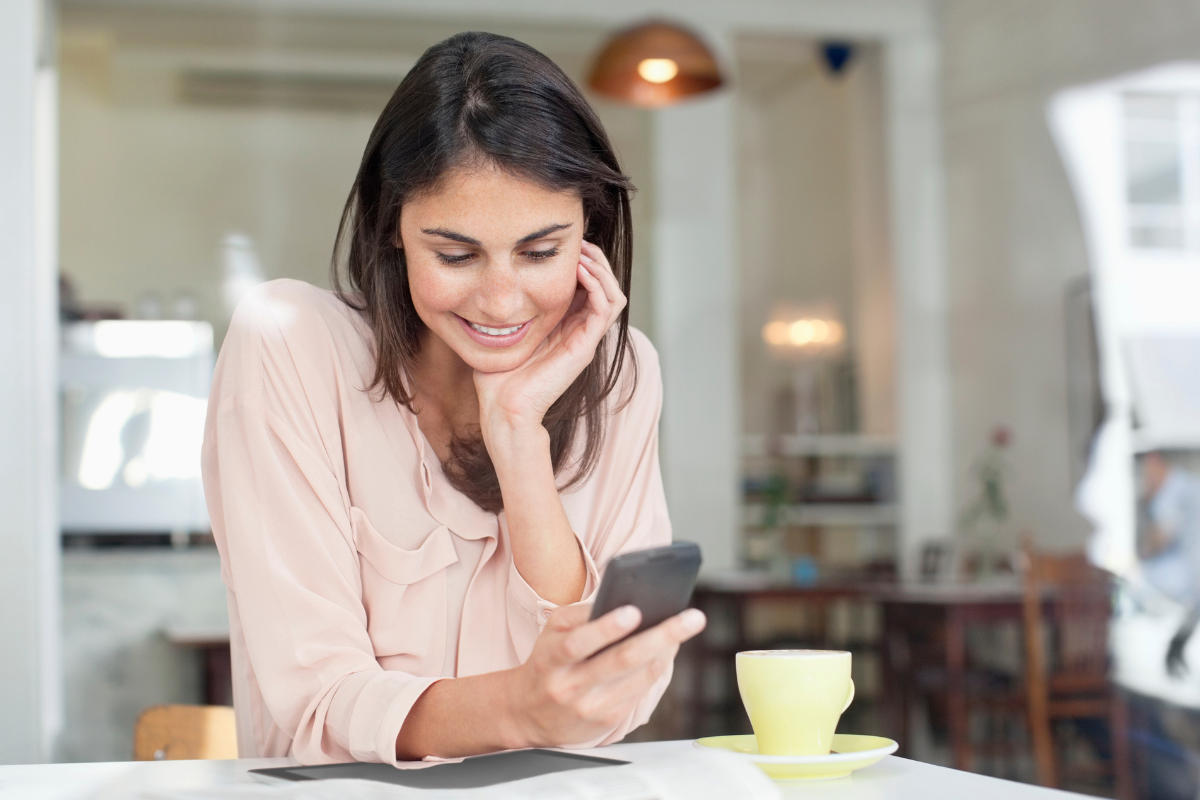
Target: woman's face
(492, 262)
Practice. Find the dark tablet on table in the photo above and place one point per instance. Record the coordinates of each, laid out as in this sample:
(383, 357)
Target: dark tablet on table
(470, 773)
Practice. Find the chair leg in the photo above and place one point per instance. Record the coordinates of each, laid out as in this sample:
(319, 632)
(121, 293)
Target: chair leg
(1040, 732)
(1118, 726)
(1037, 688)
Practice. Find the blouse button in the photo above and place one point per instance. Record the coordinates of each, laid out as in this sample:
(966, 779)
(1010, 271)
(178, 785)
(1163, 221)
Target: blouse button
(545, 615)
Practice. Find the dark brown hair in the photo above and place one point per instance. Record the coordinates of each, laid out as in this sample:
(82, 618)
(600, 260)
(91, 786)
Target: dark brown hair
(478, 98)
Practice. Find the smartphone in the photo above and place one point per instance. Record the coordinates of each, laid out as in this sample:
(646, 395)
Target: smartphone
(658, 581)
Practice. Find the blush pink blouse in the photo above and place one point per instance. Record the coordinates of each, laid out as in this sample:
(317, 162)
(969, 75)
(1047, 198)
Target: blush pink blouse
(356, 575)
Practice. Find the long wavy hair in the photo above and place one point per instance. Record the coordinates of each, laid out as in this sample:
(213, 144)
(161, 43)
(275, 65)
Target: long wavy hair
(479, 98)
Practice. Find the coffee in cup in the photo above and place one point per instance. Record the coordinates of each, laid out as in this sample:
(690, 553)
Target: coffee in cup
(794, 698)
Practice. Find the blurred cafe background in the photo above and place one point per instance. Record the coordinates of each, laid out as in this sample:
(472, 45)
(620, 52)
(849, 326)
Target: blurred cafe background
(924, 276)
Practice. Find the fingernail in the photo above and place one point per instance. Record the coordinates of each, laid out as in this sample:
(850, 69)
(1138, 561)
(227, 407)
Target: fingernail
(585, 258)
(693, 619)
(627, 616)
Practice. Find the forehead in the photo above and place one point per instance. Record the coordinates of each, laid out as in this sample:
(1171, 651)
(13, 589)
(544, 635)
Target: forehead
(490, 200)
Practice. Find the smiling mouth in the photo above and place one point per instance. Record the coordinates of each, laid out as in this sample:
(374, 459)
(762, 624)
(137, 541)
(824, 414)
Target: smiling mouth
(506, 336)
(496, 331)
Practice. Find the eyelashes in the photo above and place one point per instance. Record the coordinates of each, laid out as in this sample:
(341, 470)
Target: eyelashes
(540, 255)
(531, 255)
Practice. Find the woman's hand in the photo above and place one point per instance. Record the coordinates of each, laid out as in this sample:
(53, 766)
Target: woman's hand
(559, 696)
(519, 398)
(564, 696)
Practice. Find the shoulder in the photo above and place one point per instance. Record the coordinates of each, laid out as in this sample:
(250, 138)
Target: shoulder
(291, 322)
(289, 307)
(639, 390)
(647, 355)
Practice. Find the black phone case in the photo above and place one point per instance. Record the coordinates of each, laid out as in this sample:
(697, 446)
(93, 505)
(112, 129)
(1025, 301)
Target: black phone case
(658, 581)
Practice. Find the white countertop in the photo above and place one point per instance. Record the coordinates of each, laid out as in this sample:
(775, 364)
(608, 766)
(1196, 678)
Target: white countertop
(891, 779)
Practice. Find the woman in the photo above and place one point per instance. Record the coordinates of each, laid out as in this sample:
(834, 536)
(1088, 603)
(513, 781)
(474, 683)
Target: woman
(415, 483)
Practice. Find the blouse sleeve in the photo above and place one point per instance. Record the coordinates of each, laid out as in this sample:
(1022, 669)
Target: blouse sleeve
(281, 520)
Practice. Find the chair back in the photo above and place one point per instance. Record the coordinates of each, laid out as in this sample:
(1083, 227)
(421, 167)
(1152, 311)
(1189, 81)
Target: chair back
(1075, 598)
(175, 732)
(1066, 662)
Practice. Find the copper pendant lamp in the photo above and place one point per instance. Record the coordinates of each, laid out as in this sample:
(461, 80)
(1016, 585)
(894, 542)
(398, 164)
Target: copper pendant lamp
(654, 64)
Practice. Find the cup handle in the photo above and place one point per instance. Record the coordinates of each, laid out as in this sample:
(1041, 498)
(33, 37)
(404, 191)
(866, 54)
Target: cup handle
(849, 699)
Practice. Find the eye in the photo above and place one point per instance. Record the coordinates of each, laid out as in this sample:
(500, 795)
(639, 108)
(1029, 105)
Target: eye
(540, 255)
(450, 260)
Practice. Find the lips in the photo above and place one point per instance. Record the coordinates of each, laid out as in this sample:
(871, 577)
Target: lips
(494, 337)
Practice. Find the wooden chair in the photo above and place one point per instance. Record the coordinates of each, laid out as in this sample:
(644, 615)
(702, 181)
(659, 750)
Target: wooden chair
(185, 732)
(1066, 661)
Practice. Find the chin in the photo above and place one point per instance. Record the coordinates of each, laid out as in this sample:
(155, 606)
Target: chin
(500, 360)
(494, 363)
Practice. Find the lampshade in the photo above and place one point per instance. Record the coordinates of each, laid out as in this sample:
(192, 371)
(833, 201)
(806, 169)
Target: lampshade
(654, 64)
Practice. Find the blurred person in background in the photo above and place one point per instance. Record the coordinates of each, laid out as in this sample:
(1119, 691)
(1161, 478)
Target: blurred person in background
(1169, 543)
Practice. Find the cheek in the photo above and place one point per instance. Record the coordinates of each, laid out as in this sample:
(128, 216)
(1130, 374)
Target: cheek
(553, 291)
(433, 290)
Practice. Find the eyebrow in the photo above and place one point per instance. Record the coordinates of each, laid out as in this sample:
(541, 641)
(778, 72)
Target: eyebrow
(458, 237)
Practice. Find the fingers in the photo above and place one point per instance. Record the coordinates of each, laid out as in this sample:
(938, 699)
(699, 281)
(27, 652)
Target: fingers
(599, 304)
(589, 637)
(598, 297)
(609, 704)
(636, 652)
(631, 687)
(593, 254)
(593, 261)
(603, 311)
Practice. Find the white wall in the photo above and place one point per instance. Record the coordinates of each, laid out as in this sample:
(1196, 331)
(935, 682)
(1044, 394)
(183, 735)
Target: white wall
(813, 219)
(874, 267)
(794, 208)
(29, 674)
(1014, 236)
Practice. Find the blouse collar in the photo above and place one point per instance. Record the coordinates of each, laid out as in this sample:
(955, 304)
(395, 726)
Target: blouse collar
(446, 504)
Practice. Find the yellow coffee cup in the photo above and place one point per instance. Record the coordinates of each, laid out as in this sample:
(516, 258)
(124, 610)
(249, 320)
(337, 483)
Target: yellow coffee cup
(794, 698)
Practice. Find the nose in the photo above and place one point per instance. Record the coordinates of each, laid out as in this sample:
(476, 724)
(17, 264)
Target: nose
(500, 297)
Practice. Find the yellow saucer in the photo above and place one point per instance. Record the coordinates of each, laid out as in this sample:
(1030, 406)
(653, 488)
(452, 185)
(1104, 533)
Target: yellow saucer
(850, 752)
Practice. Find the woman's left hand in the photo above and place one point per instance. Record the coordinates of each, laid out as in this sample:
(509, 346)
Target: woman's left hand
(520, 397)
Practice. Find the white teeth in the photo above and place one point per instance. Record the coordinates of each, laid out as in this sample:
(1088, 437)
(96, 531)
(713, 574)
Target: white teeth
(495, 331)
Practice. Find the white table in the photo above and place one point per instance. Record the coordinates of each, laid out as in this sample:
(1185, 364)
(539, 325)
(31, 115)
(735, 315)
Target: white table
(891, 779)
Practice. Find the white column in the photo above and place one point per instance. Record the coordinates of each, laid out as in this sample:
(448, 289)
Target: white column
(922, 304)
(696, 332)
(30, 688)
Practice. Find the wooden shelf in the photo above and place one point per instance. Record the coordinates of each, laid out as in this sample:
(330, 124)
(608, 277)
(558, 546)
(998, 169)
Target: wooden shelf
(850, 514)
(831, 444)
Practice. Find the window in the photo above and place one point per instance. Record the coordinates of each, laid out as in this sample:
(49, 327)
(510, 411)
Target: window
(1162, 170)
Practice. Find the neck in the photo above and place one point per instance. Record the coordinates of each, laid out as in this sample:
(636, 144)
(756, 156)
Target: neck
(444, 384)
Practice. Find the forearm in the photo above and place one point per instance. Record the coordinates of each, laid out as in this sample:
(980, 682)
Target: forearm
(461, 717)
(545, 549)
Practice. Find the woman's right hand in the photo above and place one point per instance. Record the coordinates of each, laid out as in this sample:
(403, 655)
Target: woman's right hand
(563, 696)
